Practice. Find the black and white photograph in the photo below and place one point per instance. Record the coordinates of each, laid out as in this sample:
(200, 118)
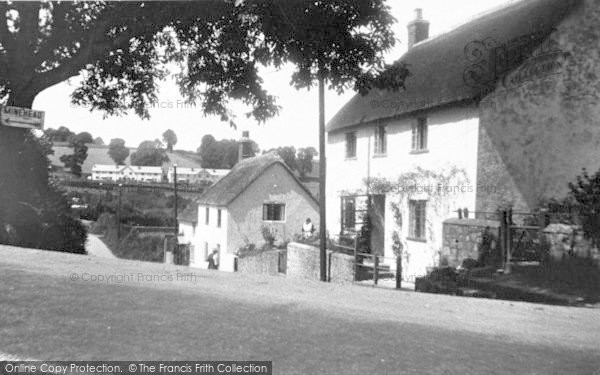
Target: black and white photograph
(300, 187)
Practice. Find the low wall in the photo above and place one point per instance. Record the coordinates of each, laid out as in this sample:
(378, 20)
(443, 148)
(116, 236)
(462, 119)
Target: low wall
(463, 238)
(303, 262)
(264, 263)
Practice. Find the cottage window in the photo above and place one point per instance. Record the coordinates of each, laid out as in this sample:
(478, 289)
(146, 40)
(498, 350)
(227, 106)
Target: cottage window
(351, 145)
(207, 217)
(219, 218)
(417, 219)
(205, 251)
(274, 212)
(380, 140)
(419, 134)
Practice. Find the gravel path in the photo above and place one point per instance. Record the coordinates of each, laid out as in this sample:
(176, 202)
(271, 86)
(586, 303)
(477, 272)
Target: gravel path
(95, 247)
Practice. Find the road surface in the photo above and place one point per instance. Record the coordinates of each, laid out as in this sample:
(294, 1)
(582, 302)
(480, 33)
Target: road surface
(59, 306)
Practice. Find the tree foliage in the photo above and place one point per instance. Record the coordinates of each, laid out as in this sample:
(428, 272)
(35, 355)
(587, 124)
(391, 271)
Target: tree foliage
(149, 154)
(62, 134)
(586, 195)
(83, 137)
(120, 51)
(75, 160)
(170, 138)
(117, 151)
(222, 154)
(304, 160)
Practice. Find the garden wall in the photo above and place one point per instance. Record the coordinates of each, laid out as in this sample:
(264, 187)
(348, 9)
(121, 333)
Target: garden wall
(463, 238)
(303, 262)
(264, 263)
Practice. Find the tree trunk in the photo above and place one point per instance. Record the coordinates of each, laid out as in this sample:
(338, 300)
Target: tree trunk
(23, 169)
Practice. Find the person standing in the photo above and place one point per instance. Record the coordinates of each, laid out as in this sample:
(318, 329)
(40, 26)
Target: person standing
(308, 228)
(213, 260)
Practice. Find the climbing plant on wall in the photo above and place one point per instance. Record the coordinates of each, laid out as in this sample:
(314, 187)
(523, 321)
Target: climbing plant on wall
(440, 187)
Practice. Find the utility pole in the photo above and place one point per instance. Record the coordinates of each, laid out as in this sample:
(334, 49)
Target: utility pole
(119, 212)
(175, 190)
(322, 176)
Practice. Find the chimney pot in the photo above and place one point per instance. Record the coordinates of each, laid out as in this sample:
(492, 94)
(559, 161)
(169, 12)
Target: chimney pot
(418, 14)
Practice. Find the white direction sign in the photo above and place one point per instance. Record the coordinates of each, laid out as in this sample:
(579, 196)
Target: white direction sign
(21, 117)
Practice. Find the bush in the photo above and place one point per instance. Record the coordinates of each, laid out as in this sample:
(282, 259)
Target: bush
(269, 234)
(47, 225)
(147, 248)
(585, 192)
(247, 250)
(104, 222)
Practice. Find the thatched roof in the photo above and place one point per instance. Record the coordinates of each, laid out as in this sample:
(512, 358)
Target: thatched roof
(438, 65)
(189, 214)
(243, 174)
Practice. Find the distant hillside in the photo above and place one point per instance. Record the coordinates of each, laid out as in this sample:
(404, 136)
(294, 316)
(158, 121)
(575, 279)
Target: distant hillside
(98, 154)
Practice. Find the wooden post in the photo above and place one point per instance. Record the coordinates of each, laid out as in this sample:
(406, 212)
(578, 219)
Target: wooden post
(542, 220)
(119, 212)
(399, 271)
(376, 269)
(356, 260)
(175, 203)
(507, 268)
(503, 237)
(322, 177)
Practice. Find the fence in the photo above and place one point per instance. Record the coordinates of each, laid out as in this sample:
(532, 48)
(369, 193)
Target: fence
(148, 229)
(526, 237)
(128, 186)
(368, 266)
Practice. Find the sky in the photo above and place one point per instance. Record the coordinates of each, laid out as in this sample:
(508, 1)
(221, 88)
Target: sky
(297, 123)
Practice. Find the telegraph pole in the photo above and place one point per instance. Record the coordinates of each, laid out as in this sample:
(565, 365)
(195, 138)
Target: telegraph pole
(175, 190)
(322, 176)
(119, 212)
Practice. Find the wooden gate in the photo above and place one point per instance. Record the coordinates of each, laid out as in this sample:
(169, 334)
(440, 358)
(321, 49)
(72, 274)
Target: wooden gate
(522, 242)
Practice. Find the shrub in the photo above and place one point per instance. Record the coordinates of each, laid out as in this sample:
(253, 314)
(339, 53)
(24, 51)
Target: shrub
(269, 234)
(247, 250)
(586, 192)
(45, 224)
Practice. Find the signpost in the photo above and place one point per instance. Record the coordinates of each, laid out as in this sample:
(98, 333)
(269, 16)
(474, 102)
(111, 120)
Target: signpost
(21, 117)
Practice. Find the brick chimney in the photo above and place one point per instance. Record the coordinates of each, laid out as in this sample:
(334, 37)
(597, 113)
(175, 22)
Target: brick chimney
(418, 29)
(245, 146)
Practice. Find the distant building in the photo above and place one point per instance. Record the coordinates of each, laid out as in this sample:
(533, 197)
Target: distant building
(104, 172)
(259, 191)
(196, 175)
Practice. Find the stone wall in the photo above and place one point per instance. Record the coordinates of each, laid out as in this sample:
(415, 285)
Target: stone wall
(264, 263)
(463, 238)
(536, 135)
(303, 262)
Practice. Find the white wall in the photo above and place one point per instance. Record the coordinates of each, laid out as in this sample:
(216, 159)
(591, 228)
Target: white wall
(451, 141)
(212, 235)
